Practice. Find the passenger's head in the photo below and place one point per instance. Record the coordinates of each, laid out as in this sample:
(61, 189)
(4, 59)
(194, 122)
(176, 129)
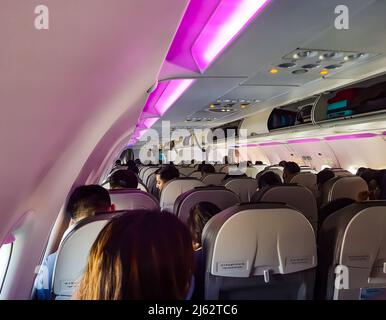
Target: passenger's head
(360, 171)
(323, 176)
(118, 162)
(257, 163)
(123, 179)
(291, 169)
(199, 215)
(165, 174)
(282, 163)
(85, 201)
(268, 179)
(225, 160)
(137, 161)
(206, 169)
(140, 255)
(131, 165)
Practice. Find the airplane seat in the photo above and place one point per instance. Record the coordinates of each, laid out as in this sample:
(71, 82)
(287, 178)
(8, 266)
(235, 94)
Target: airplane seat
(226, 168)
(339, 172)
(186, 171)
(254, 170)
(354, 240)
(243, 187)
(259, 251)
(218, 167)
(147, 174)
(278, 171)
(73, 253)
(140, 186)
(306, 179)
(151, 180)
(220, 196)
(142, 171)
(196, 175)
(133, 199)
(296, 196)
(214, 179)
(343, 187)
(174, 188)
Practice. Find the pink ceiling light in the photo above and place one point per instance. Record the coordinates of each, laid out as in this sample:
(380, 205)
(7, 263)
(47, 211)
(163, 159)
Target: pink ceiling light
(225, 24)
(303, 140)
(351, 136)
(172, 92)
(267, 144)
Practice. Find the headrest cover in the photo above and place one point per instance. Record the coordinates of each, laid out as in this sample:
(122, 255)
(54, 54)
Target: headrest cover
(257, 239)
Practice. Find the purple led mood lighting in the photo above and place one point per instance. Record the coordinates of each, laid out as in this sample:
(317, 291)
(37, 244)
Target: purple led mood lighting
(214, 28)
(351, 136)
(227, 21)
(303, 140)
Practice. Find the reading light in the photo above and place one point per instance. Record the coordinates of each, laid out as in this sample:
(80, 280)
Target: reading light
(273, 71)
(324, 72)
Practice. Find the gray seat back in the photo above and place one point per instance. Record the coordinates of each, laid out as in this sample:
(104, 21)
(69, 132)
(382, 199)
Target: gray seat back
(213, 179)
(343, 187)
(259, 251)
(147, 174)
(254, 170)
(133, 199)
(220, 196)
(243, 187)
(186, 171)
(196, 175)
(296, 196)
(73, 253)
(174, 188)
(354, 240)
(306, 179)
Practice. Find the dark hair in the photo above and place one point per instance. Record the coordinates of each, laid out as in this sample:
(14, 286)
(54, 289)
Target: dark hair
(86, 200)
(360, 171)
(168, 172)
(332, 207)
(257, 163)
(282, 163)
(139, 255)
(199, 215)
(131, 165)
(208, 168)
(118, 162)
(324, 175)
(291, 167)
(269, 178)
(137, 161)
(122, 179)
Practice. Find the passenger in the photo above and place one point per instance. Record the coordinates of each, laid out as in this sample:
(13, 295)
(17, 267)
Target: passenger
(291, 169)
(321, 178)
(131, 165)
(137, 162)
(258, 163)
(84, 202)
(360, 171)
(140, 255)
(373, 179)
(249, 163)
(225, 160)
(199, 167)
(268, 179)
(207, 169)
(123, 179)
(332, 207)
(199, 215)
(282, 163)
(118, 163)
(165, 174)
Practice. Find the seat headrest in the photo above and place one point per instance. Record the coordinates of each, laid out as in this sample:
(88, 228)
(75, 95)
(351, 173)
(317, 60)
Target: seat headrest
(306, 179)
(213, 179)
(244, 187)
(130, 199)
(174, 188)
(220, 196)
(343, 187)
(73, 253)
(296, 196)
(255, 239)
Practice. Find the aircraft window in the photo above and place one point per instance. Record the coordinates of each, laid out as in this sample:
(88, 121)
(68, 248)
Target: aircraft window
(5, 256)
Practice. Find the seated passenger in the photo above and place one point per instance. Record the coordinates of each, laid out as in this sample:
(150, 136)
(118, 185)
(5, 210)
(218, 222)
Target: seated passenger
(332, 207)
(131, 165)
(199, 215)
(291, 169)
(84, 202)
(140, 255)
(321, 178)
(207, 169)
(282, 163)
(123, 179)
(360, 171)
(258, 163)
(165, 174)
(199, 167)
(268, 179)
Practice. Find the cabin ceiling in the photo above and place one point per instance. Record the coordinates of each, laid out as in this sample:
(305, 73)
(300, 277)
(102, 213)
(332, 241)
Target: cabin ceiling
(282, 27)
